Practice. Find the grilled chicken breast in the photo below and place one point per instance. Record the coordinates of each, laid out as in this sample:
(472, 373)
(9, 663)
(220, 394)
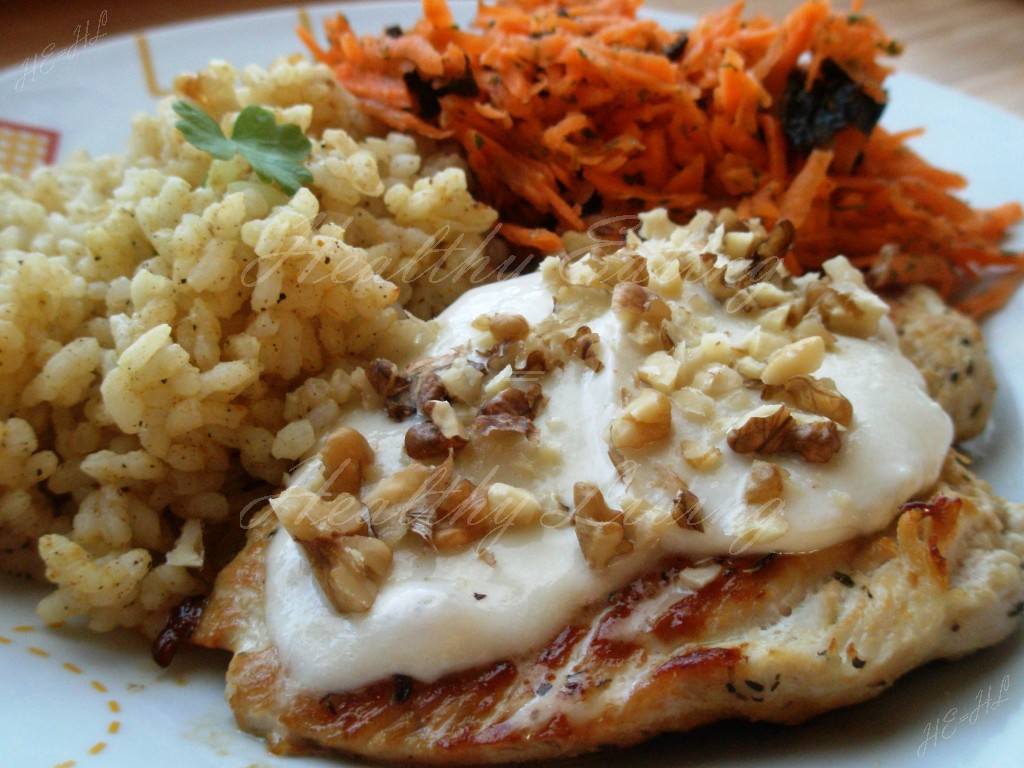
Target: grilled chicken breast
(776, 639)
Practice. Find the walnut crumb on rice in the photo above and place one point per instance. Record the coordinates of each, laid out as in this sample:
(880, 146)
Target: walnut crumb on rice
(175, 334)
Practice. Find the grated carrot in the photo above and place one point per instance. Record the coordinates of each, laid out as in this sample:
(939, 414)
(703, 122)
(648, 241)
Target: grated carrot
(571, 112)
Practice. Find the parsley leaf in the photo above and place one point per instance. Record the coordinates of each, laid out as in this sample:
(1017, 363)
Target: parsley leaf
(274, 151)
(202, 132)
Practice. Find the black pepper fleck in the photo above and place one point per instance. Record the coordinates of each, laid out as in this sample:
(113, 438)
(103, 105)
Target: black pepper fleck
(843, 578)
(403, 688)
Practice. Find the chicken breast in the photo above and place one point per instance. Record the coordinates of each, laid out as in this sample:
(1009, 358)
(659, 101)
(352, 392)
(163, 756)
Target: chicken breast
(775, 639)
(949, 350)
(691, 506)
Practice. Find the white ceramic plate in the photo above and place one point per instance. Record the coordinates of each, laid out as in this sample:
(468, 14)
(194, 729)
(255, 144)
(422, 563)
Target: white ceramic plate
(72, 698)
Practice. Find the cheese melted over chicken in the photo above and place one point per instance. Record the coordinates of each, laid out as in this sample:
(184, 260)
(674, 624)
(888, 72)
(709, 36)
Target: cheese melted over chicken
(564, 430)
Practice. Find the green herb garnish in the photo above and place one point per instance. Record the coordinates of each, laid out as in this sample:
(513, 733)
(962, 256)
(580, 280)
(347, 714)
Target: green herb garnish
(274, 151)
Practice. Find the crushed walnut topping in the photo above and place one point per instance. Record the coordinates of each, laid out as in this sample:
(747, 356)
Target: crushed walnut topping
(764, 483)
(584, 346)
(687, 377)
(393, 387)
(687, 511)
(814, 396)
(511, 410)
(505, 327)
(645, 419)
(777, 431)
(461, 516)
(600, 530)
(307, 515)
(801, 358)
(350, 569)
(426, 441)
(634, 303)
(345, 455)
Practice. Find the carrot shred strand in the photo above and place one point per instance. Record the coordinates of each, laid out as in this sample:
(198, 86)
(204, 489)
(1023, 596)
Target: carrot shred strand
(570, 112)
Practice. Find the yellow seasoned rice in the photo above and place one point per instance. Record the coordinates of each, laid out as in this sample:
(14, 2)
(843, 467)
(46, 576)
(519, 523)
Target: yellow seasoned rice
(175, 334)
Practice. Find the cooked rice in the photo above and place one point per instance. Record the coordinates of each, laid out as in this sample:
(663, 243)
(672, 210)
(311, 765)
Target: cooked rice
(175, 334)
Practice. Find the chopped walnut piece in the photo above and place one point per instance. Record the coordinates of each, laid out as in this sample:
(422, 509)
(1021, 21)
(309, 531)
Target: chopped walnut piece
(420, 520)
(661, 371)
(599, 529)
(395, 389)
(510, 505)
(428, 388)
(814, 396)
(389, 500)
(645, 419)
(421, 511)
(776, 431)
(633, 302)
(384, 378)
(426, 441)
(625, 468)
(462, 516)
(447, 420)
(462, 381)
(307, 515)
(687, 511)
(856, 310)
(700, 457)
(816, 441)
(535, 361)
(854, 315)
(799, 358)
(771, 250)
(349, 569)
(583, 345)
(764, 483)
(620, 265)
(514, 401)
(766, 433)
(345, 455)
(456, 537)
(739, 246)
(505, 327)
(511, 410)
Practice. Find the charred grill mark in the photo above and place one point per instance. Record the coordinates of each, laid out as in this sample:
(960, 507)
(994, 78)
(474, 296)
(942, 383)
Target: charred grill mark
(372, 707)
(701, 660)
(741, 580)
(943, 513)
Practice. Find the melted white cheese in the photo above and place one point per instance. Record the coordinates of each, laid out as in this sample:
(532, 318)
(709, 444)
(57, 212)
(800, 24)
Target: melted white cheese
(427, 620)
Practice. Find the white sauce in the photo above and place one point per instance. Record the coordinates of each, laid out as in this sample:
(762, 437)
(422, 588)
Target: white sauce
(427, 622)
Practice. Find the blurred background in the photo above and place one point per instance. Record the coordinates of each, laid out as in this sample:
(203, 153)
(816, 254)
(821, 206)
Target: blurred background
(976, 46)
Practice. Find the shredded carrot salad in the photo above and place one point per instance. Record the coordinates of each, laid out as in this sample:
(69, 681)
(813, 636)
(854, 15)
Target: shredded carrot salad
(568, 113)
